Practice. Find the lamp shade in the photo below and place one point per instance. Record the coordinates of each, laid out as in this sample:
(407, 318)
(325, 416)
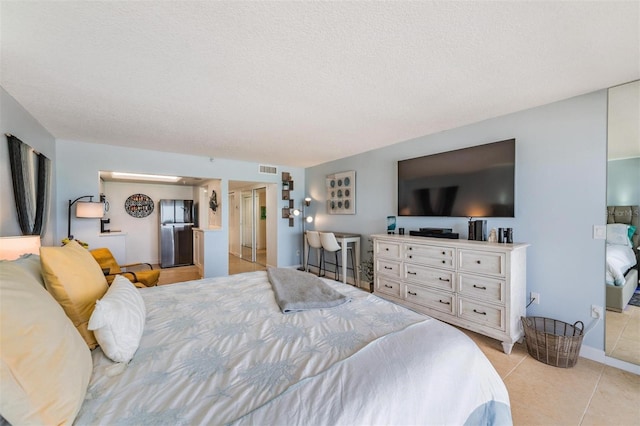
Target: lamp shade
(89, 209)
(13, 247)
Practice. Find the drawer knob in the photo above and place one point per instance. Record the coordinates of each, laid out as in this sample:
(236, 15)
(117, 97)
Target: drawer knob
(478, 262)
(410, 257)
(413, 294)
(444, 261)
(444, 279)
(388, 286)
(387, 248)
(444, 252)
(479, 287)
(410, 248)
(411, 273)
(388, 267)
(443, 302)
(479, 312)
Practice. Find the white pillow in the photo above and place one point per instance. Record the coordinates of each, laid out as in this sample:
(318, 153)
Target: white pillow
(118, 320)
(618, 233)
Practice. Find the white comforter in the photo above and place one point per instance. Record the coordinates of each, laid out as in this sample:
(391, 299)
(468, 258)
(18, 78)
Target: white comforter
(619, 259)
(219, 351)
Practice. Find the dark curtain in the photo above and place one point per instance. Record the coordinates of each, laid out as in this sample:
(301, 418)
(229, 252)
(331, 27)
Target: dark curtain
(32, 198)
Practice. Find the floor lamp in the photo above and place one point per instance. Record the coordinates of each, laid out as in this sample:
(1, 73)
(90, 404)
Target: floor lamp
(305, 219)
(85, 209)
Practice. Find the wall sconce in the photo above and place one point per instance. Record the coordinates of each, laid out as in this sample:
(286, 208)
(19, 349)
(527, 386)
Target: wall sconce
(84, 209)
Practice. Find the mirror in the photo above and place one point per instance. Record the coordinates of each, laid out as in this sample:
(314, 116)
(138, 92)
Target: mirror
(623, 189)
(248, 231)
(254, 231)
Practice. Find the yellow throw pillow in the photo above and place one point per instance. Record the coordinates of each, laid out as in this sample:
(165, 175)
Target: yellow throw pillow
(45, 366)
(75, 280)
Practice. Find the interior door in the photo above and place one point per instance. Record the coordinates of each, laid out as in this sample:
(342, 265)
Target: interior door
(247, 251)
(260, 225)
(234, 224)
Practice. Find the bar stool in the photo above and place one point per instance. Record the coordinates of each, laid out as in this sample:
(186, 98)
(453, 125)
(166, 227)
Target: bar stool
(313, 239)
(330, 244)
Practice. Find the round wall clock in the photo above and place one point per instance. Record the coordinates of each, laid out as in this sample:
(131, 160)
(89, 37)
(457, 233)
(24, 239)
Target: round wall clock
(139, 205)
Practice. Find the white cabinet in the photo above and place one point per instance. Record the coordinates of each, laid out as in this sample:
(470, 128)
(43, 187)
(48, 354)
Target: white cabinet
(208, 244)
(475, 285)
(198, 250)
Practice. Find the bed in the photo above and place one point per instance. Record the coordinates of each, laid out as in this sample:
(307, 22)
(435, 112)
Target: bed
(622, 255)
(221, 351)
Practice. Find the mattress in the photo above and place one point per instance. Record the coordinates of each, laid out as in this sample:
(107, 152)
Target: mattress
(220, 351)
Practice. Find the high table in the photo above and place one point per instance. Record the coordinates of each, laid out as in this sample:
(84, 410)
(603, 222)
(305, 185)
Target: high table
(344, 238)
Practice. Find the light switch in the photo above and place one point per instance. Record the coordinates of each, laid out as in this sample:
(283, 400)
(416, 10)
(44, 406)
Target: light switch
(599, 232)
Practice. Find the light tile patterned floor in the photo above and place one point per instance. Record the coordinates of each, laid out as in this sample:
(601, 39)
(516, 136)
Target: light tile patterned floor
(623, 335)
(587, 394)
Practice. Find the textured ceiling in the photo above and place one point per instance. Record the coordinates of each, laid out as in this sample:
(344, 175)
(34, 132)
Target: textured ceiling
(302, 83)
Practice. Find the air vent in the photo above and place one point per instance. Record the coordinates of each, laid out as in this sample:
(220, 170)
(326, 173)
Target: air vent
(267, 170)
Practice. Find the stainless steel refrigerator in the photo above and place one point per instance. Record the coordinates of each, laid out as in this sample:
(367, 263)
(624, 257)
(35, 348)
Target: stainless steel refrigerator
(176, 235)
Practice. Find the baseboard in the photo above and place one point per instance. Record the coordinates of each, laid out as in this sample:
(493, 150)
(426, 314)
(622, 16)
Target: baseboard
(598, 355)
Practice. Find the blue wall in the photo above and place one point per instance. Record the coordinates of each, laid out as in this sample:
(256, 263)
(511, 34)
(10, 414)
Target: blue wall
(14, 119)
(79, 164)
(561, 152)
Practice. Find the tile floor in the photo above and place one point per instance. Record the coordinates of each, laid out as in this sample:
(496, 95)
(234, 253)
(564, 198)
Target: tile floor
(623, 334)
(587, 394)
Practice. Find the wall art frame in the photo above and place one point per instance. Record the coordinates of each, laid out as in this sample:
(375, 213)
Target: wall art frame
(341, 193)
(139, 205)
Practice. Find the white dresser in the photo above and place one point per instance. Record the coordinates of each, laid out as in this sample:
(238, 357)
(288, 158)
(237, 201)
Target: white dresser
(475, 285)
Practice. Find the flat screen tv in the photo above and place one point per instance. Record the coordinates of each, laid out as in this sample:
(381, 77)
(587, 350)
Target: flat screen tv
(470, 182)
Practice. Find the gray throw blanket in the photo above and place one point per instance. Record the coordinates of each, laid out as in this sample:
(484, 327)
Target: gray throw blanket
(297, 291)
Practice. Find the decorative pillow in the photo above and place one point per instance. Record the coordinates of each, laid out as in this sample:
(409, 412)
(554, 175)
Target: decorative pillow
(618, 233)
(45, 364)
(118, 320)
(31, 264)
(75, 280)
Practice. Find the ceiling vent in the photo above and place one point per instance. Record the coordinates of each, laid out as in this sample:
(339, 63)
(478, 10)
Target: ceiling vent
(267, 170)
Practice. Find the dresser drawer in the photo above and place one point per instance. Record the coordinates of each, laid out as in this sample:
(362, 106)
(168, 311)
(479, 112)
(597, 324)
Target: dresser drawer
(484, 288)
(387, 249)
(440, 301)
(443, 257)
(482, 262)
(387, 286)
(479, 313)
(433, 277)
(388, 267)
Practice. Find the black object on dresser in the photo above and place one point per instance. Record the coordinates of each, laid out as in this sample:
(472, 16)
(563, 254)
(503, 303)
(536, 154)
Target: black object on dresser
(478, 230)
(434, 234)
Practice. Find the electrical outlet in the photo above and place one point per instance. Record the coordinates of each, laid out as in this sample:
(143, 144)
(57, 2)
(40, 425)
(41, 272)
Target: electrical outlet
(297, 252)
(535, 297)
(596, 311)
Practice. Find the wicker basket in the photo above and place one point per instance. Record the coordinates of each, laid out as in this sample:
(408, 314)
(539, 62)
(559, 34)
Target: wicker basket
(553, 342)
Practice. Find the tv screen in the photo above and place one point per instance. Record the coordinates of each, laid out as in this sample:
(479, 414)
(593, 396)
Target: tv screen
(470, 182)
